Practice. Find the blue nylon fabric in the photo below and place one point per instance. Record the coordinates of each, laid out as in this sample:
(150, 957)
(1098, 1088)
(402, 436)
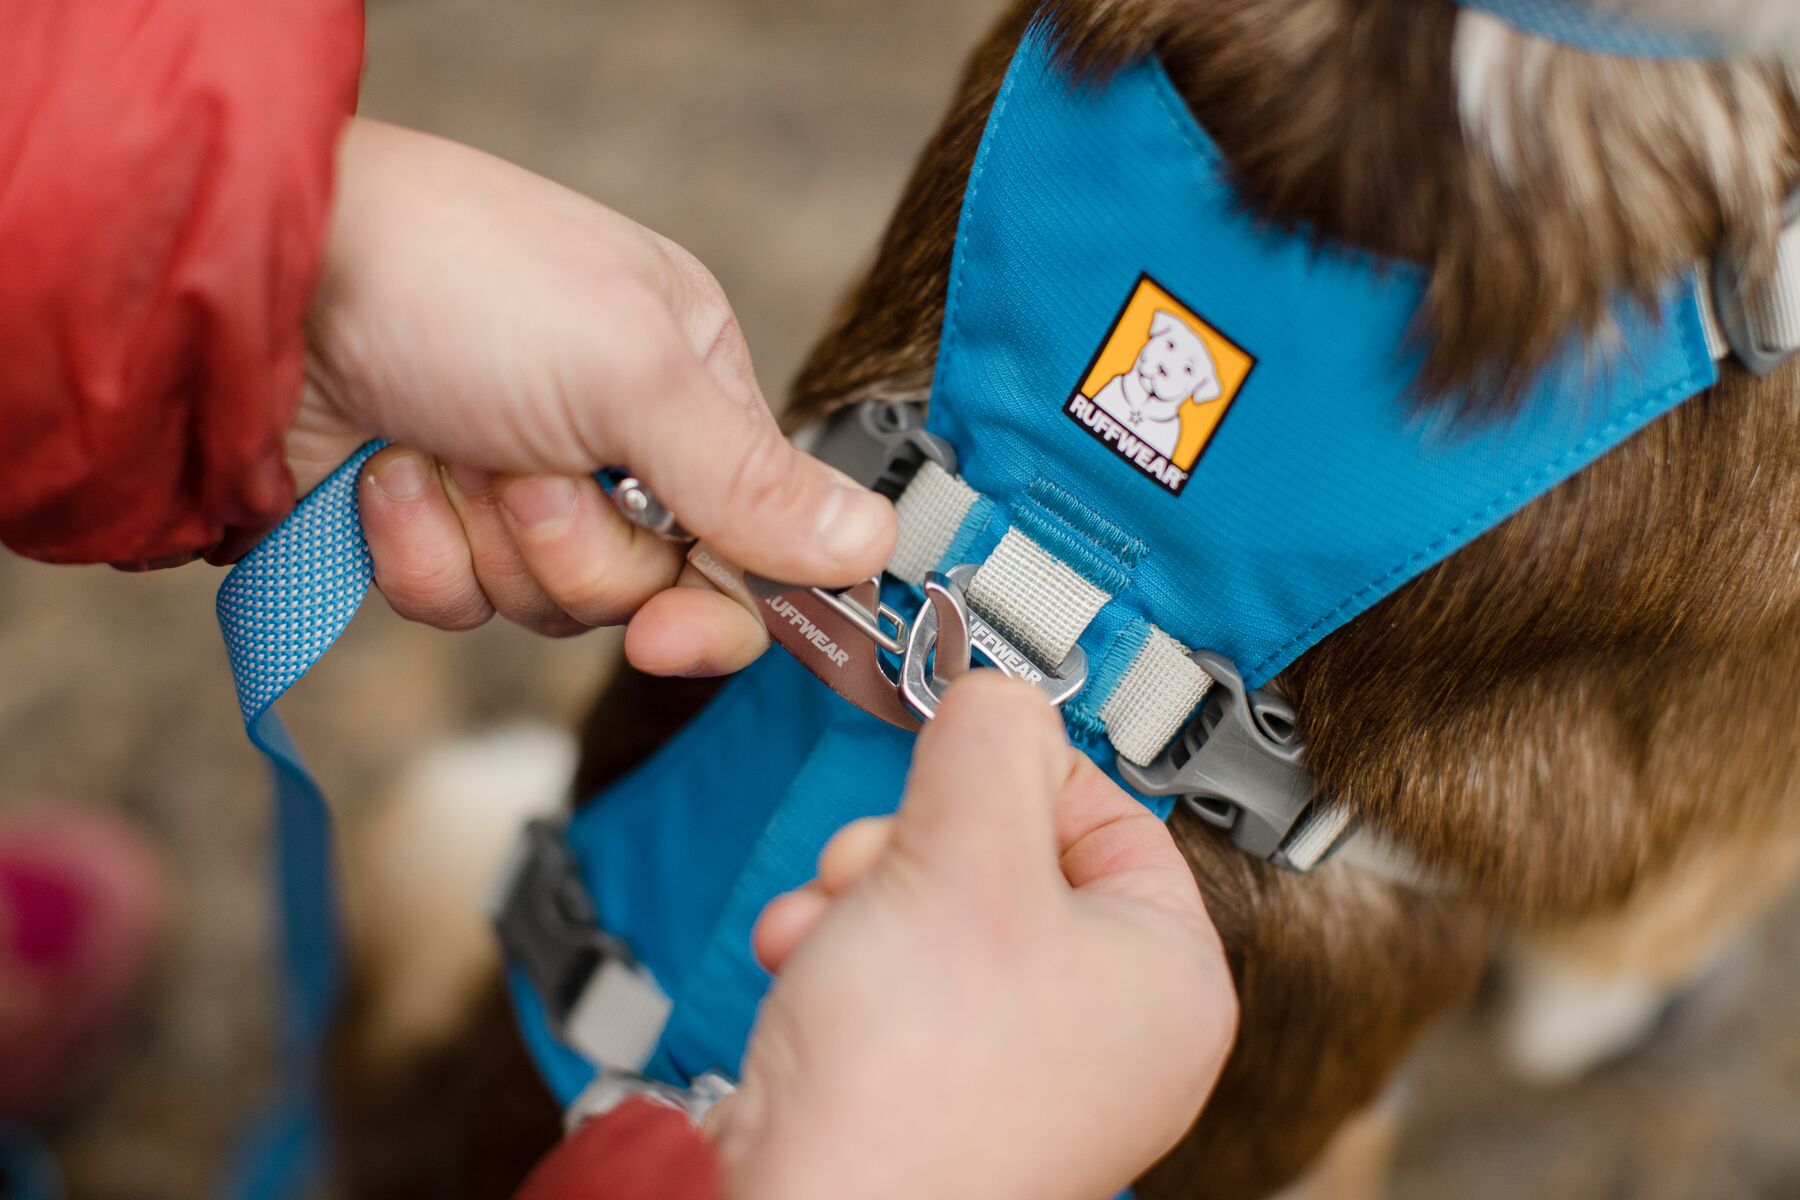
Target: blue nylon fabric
(1581, 25)
(1319, 494)
(280, 609)
(855, 768)
(1321, 491)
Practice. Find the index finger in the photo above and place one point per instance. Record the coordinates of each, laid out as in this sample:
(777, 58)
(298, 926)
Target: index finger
(719, 462)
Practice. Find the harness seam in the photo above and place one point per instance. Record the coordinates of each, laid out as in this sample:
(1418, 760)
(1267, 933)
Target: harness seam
(1078, 552)
(1061, 504)
(1083, 713)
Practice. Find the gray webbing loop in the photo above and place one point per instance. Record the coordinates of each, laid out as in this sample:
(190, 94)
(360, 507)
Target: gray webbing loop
(947, 632)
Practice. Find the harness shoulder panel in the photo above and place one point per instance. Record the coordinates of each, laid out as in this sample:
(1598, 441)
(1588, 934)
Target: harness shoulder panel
(1288, 486)
(1316, 484)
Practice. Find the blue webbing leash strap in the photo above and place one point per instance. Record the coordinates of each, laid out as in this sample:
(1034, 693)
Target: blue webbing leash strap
(27, 1171)
(280, 609)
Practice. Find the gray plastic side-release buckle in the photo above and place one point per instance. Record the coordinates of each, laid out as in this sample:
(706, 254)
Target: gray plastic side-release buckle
(1731, 295)
(596, 996)
(881, 444)
(1240, 766)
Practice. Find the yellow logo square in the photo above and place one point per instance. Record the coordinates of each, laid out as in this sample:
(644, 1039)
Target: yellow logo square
(1159, 386)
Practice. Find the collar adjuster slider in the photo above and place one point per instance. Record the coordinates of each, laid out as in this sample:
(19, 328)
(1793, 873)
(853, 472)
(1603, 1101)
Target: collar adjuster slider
(1758, 328)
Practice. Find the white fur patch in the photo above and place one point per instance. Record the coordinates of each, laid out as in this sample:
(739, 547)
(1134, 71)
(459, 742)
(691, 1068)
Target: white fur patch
(418, 876)
(1560, 1024)
(1482, 99)
(1498, 71)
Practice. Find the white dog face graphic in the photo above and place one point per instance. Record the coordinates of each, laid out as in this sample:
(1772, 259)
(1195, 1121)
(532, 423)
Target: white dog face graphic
(1173, 368)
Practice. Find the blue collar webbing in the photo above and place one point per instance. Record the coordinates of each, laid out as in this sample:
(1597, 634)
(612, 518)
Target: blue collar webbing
(1601, 30)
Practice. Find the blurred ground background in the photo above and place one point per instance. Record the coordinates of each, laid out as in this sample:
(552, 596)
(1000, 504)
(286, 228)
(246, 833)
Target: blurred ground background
(770, 137)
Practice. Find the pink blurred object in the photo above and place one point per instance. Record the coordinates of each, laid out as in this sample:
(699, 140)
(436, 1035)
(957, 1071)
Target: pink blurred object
(83, 900)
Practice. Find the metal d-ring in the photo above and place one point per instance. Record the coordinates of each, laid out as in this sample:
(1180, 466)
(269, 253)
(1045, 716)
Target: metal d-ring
(946, 635)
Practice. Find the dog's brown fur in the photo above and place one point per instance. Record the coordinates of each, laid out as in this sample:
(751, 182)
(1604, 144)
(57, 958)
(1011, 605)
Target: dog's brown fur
(1602, 684)
(1591, 699)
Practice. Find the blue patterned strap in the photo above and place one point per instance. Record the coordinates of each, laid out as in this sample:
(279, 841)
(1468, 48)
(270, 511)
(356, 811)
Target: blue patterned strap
(1587, 26)
(280, 609)
(285, 604)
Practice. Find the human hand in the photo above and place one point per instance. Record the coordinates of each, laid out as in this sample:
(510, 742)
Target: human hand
(1011, 989)
(511, 337)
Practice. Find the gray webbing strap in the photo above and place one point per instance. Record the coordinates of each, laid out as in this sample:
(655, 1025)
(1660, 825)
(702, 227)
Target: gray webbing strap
(1034, 598)
(1043, 605)
(1716, 345)
(1775, 310)
(1157, 694)
(931, 510)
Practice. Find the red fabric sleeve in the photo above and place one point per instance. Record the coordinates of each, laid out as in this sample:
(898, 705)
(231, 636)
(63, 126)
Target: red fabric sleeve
(640, 1150)
(165, 178)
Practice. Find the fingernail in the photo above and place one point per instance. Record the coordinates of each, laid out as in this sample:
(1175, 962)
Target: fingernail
(471, 481)
(851, 521)
(541, 505)
(403, 478)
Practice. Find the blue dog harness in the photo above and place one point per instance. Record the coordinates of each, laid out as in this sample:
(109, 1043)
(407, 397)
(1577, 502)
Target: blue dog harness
(1168, 450)
(1171, 548)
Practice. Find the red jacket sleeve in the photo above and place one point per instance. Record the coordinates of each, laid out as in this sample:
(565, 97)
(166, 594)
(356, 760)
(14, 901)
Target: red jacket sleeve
(640, 1150)
(165, 178)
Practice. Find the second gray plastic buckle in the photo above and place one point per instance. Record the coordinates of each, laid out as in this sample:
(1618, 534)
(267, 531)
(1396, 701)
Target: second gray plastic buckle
(881, 444)
(1240, 765)
(596, 996)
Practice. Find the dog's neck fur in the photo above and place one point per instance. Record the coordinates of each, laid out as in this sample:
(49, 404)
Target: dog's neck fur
(1535, 181)
(1563, 709)
(1582, 176)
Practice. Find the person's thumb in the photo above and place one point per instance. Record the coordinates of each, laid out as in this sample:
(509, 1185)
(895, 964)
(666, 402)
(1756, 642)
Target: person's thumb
(981, 798)
(720, 464)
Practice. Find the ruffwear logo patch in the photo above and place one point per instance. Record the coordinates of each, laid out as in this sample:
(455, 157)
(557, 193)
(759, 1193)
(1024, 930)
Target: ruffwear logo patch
(1159, 386)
